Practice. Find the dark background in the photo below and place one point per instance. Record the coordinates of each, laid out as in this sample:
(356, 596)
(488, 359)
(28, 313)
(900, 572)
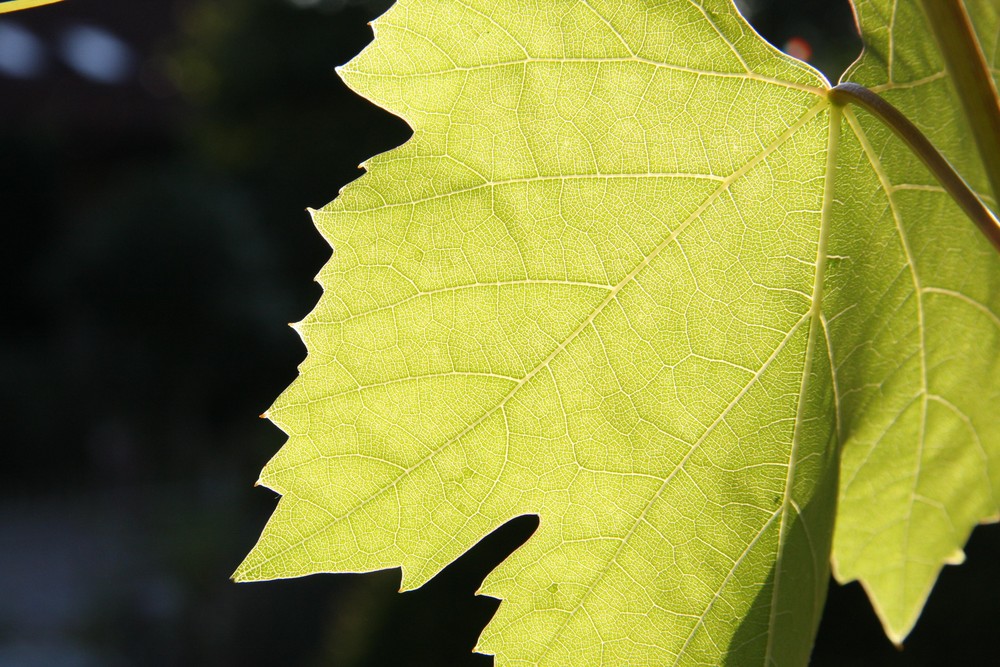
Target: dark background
(156, 160)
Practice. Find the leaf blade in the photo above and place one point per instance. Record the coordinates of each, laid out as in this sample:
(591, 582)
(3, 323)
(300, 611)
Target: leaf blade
(550, 415)
(922, 371)
(588, 288)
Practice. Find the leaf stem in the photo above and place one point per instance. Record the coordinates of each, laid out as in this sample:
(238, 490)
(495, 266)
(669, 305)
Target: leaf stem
(945, 174)
(966, 64)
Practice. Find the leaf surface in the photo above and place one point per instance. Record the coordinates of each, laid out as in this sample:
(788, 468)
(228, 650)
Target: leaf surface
(589, 288)
(913, 316)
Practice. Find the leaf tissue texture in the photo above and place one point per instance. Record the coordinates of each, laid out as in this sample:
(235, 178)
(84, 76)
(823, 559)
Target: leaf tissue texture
(596, 285)
(912, 312)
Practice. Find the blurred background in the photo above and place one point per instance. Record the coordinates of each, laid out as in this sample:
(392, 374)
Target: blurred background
(156, 161)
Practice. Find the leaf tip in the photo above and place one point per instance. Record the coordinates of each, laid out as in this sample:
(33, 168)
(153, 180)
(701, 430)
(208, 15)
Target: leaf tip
(479, 649)
(956, 557)
(896, 635)
(297, 326)
(239, 576)
(404, 586)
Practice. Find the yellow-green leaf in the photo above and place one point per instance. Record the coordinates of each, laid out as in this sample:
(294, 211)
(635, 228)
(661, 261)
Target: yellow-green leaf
(915, 328)
(603, 283)
(15, 5)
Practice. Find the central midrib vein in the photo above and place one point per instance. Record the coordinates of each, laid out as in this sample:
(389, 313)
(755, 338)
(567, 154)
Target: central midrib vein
(815, 324)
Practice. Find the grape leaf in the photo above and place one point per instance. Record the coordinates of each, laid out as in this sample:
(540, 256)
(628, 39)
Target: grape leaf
(16, 5)
(603, 283)
(914, 325)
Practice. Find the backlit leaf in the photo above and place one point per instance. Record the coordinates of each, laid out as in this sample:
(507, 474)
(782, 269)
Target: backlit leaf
(603, 283)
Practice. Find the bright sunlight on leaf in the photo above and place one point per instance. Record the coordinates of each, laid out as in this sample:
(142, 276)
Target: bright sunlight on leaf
(912, 310)
(636, 275)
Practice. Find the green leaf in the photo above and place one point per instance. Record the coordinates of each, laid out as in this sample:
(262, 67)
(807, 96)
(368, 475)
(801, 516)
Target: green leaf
(16, 5)
(603, 283)
(915, 329)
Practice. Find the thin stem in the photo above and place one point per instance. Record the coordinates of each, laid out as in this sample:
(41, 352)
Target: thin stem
(922, 147)
(970, 73)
